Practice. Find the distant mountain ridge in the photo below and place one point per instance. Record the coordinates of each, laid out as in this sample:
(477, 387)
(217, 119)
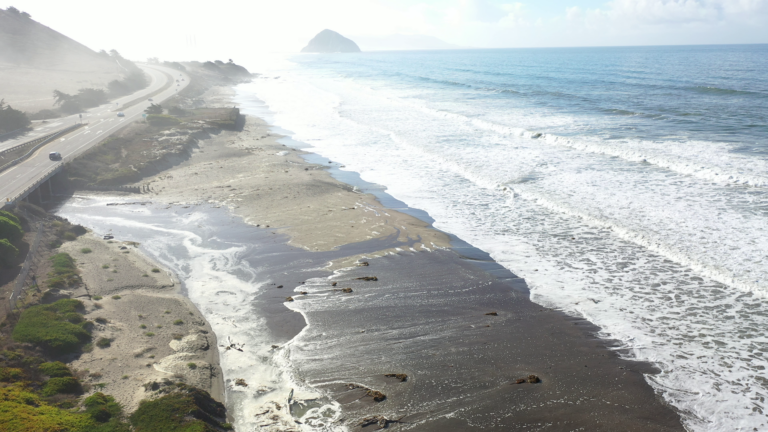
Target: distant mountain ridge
(402, 42)
(25, 42)
(328, 41)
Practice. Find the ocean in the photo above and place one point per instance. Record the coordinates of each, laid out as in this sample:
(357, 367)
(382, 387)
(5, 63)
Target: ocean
(628, 186)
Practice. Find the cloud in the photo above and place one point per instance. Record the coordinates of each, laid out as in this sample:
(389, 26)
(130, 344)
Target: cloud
(682, 11)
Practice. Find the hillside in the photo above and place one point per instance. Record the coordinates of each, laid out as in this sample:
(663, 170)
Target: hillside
(35, 60)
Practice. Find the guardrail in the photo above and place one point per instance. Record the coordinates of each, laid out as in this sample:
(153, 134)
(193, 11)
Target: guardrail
(37, 143)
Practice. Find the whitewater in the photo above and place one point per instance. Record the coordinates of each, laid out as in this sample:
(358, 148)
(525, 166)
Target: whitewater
(626, 185)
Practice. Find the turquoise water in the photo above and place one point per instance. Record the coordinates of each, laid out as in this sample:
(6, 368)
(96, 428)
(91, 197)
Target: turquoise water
(627, 185)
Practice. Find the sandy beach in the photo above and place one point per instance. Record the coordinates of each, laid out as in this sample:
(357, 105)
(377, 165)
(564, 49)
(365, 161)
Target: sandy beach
(312, 232)
(154, 331)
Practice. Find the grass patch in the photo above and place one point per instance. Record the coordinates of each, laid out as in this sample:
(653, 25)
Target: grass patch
(86, 250)
(101, 320)
(192, 366)
(55, 369)
(177, 336)
(104, 343)
(51, 327)
(149, 334)
(97, 297)
(159, 326)
(189, 409)
(178, 322)
(68, 385)
(143, 326)
(64, 273)
(167, 312)
(105, 266)
(155, 270)
(116, 297)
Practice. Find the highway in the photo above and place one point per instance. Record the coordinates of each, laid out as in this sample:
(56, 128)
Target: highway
(101, 122)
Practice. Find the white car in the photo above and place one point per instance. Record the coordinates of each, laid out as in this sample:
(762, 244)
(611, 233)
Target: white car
(121, 114)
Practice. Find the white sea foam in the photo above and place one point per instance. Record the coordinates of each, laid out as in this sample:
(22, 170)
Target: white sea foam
(646, 239)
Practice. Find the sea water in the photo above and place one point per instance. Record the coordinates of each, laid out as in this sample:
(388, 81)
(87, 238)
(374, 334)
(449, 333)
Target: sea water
(626, 185)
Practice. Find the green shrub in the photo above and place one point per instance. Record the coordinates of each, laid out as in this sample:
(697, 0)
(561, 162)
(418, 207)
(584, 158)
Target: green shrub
(97, 297)
(101, 320)
(102, 407)
(86, 250)
(10, 230)
(192, 366)
(55, 369)
(8, 253)
(178, 322)
(143, 326)
(46, 325)
(105, 266)
(104, 343)
(69, 236)
(23, 411)
(155, 270)
(61, 385)
(11, 374)
(64, 272)
(10, 216)
(187, 410)
(150, 334)
(116, 297)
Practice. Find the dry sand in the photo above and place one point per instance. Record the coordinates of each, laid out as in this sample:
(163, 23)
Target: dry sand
(271, 186)
(132, 295)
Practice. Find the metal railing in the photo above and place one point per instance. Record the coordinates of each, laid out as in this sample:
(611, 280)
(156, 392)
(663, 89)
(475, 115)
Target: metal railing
(36, 143)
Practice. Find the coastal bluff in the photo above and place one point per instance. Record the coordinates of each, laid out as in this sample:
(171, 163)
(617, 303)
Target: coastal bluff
(328, 41)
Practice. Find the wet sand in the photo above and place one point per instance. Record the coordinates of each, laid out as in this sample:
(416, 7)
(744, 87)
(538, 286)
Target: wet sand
(425, 316)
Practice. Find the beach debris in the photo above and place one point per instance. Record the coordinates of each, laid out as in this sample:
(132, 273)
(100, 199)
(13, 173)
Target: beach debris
(375, 394)
(289, 299)
(363, 264)
(334, 284)
(109, 237)
(532, 379)
(379, 420)
(275, 346)
(241, 382)
(368, 278)
(536, 135)
(123, 247)
(279, 286)
(304, 293)
(401, 377)
(346, 290)
(493, 313)
(233, 345)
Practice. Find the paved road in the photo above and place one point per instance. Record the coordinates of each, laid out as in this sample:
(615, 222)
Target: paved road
(158, 80)
(102, 121)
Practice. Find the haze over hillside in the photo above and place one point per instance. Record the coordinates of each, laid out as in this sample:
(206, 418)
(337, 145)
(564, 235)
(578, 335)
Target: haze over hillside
(35, 60)
(328, 41)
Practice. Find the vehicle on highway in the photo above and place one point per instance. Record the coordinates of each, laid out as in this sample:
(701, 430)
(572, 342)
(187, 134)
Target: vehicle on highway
(121, 114)
(54, 156)
(150, 99)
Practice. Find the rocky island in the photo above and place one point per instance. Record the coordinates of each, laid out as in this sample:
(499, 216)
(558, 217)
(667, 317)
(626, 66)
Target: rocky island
(328, 41)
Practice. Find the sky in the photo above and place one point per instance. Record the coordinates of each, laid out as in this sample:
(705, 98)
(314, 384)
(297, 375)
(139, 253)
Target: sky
(223, 29)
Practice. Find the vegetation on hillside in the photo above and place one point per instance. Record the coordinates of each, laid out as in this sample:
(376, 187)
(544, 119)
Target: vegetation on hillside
(10, 236)
(58, 327)
(187, 409)
(11, 119)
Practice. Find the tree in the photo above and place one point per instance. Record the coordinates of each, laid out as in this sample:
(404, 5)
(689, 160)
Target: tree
(60, 97)
(153, 60)
(12, 9)
(91, 97)
(114, 53)
(71, 106)
(154, 109)
(11, 119)
(103, 53)
(26, 15)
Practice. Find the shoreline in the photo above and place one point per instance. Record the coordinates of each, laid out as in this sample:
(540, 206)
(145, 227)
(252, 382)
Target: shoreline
(380, 235)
